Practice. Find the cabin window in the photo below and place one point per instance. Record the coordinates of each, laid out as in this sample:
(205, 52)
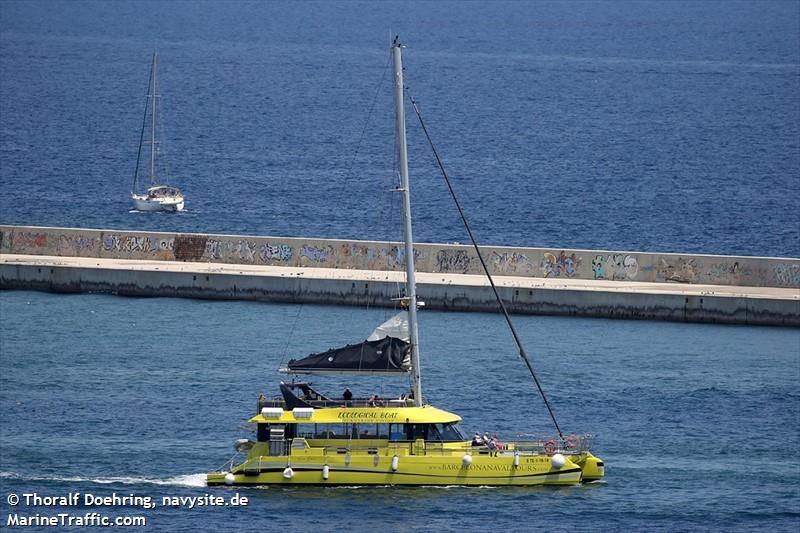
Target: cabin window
(396, 432)
(306, 431)
(416, 431)
(262, 434)
(351, 431)
(382, 431)
(446, 433)
(323, 431)
(372, 431)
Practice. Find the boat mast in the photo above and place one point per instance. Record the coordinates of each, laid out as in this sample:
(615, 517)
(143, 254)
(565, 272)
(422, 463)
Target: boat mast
(411, 286)
(153, 123)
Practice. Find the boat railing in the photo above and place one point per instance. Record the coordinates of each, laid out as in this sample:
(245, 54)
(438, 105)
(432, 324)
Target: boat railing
(550, 445)
(355, 402)
(279, 447)
(260, 404)
(398, 448)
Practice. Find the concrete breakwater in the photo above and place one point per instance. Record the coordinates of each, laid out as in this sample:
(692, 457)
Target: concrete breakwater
(697, 288)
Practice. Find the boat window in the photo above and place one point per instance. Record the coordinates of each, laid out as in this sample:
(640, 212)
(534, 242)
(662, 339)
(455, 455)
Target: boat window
(331, 431)
(305, 430)
(323, 431)
(397, 432)
(449, 432)
(263, 433)
(416, 431)
(371, 431)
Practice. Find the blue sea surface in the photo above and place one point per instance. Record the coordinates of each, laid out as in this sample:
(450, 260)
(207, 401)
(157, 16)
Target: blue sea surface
(698, 424)
(648, 126)
(657, 126)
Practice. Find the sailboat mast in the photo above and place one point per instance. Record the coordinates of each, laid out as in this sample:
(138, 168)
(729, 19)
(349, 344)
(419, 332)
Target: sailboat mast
(411, 286)
(153, 123)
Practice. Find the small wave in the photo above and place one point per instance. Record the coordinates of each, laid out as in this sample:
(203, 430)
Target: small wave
(185, 480)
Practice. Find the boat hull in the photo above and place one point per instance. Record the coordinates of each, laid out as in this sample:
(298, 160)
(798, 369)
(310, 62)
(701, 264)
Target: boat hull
(143, 203)
(357, 470)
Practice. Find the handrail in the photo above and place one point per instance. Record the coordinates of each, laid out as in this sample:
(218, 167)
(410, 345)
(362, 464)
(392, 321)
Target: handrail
(333, 403)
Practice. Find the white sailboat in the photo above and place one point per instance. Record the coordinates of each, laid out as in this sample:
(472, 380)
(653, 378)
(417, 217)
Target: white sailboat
(158, 196)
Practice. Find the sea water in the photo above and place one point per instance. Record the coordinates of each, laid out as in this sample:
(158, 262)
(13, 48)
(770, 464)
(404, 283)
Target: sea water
(622, 125)
(646, 126)
(697, 424)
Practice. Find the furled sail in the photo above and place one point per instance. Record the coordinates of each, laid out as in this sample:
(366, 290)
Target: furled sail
(385, 351)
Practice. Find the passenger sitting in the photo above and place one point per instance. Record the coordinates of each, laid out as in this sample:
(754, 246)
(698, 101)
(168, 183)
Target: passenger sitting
(497, 444)
(374, 401)
(477, 440)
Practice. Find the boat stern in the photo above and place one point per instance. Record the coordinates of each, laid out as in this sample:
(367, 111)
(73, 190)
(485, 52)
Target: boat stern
(218, 478)
(592, 468)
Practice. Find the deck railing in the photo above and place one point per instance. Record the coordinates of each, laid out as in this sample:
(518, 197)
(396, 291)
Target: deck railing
(355, 402)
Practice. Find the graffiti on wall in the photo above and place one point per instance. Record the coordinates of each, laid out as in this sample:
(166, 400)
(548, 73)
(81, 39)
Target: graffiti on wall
(631, 266)
(388, 256)
(74, 244)
(615, 267)
(213, 249)
(510, 263)
(555, 266)
(453, 261)
(30, 240)
(396, 256)
(726, 273)
(136, 243)
(245, 251)
(369, 258)
(681, 270)
(275, 252)
(787, 275)
(363, 256)
(318, 255)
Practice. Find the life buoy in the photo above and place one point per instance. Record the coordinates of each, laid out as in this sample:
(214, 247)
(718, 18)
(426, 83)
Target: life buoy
(550, 447)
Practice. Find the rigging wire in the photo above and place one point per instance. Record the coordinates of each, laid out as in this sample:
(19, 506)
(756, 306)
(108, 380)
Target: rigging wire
(522, 352)
(144, 121)
(291, 334)
(348, 170)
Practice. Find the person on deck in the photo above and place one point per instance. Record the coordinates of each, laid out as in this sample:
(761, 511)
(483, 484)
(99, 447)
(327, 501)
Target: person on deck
(499, 446)
(477, 440)
(347, 396)
(491, 444)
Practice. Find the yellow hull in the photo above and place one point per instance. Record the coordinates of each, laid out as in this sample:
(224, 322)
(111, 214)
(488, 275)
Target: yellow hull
(382, 467)
(365, 446)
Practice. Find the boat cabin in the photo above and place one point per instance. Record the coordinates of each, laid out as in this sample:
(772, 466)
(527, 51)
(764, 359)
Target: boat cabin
(304, 413)
(163, 191)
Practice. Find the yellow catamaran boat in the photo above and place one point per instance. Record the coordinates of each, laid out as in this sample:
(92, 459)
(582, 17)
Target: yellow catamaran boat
(305, 438)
